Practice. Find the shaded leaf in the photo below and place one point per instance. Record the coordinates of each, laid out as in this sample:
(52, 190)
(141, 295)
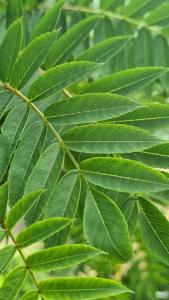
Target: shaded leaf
(31, 59)
(4, 154)
(48, 21)
(64, 47)
(154, 230)
(24, 160)
(10, 48)
(44, 175)
(3, 201)
(105, 50)
(14, 10)
(104, 217)
(64, 204)
(6, 255)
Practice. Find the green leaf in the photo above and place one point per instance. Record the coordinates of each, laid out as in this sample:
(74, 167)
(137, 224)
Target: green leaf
(14, 11)
(2, 234)
(61, 257)
(64, 47)
(108, 138)
(158, 15)
(14, 124)
(134, 6)
(4, 154)
(13, 283)
(58, 78)
(3, 201)
(10, 48)
(31, 59)
(48, 21)
(89, 108)
(126, 81)
(6, 255)
(24, 160)
(154, 230)
(21, 208)
(5, 98)
(105, 218)
(31, 296)
(64, 204)
(156, 157)
(44, 176)
(86, 288)
(123, 175)
(40, 231)
(105, 50)
(151, 117)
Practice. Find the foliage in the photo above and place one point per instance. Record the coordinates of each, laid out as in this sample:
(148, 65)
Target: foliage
(83, 147)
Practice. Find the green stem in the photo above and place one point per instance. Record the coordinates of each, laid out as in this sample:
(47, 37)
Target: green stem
(45, 121)
(117, 16)
(9, 233)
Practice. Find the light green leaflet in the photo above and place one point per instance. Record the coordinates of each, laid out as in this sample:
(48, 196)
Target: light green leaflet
(32, 295)
(3, 201)
(2, 234)
(6, 255)
(108, 138)
(64, 47)
(126, 81)
(64, 204)
(12, 284)
(46, 171)
(102, 216)
(89, 108)
(48, 21)
(80, 288)
(123, 175)
(61, 257)
(151, 117)
(58, 78)
(10, 48)
(154, 230)
(106, 50)
(21, 208)
(40, 231)
(24, 160)
(31, 59)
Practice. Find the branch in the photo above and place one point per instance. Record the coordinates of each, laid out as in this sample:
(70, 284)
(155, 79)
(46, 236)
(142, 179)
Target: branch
(117, 16)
